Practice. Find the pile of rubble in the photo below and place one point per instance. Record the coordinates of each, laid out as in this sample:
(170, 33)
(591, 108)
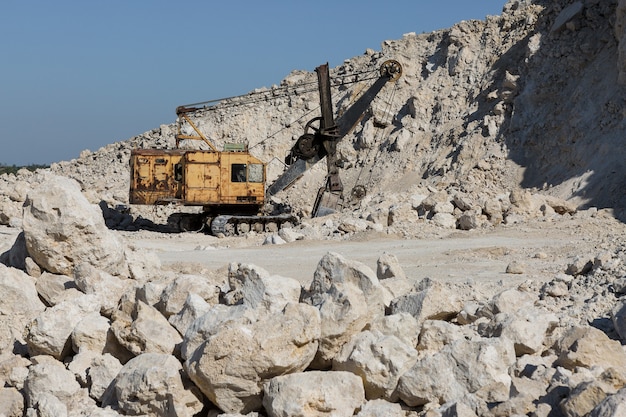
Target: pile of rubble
(93, 327)
(480, 138)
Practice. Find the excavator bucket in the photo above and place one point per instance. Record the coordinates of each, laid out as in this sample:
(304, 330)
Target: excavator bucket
(327, 202)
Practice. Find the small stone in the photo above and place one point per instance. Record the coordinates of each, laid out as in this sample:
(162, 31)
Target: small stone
(516, 267)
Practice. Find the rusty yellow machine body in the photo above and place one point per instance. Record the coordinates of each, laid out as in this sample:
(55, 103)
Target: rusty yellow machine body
(228, 180)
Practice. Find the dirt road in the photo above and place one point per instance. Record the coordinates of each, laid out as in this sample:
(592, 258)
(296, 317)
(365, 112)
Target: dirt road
(540, 249)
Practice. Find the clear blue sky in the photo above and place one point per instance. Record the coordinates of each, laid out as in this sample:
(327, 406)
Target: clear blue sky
(80, 74)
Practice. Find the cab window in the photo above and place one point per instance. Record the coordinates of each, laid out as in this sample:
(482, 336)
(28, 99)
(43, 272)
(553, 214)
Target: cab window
(255, 173)
(238, 173)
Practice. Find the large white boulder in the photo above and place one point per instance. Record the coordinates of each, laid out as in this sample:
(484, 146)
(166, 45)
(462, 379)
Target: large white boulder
(54, 288)
(62, 228)
(256, 288)
(380, 360)
(213, 321)
(108, 288)
(175, 294)
(19, 293)
(232, 365)
(101, 373)
(151, 384)
(436, 301)
(334, 269)
(194, 307)
(49, 377)
(11, 402)
(589, 347)
(145, 330)
(402, 325)
(50, 333)
(528, 329)
(313, 393)
(91, 333)
(479, 367)
(348, 296)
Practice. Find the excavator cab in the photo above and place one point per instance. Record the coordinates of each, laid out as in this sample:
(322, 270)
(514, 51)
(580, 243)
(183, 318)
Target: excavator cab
(218, 181)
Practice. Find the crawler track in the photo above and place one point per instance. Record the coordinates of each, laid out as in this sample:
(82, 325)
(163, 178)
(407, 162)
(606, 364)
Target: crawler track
(232, 225)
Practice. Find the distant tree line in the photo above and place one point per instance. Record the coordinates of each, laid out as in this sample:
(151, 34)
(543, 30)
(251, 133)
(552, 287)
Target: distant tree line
(12, 169)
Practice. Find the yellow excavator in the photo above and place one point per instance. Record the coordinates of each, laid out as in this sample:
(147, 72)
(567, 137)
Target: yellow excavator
(230, 184)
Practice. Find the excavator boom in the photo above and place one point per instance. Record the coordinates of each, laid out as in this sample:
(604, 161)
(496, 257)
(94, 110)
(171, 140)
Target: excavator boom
(311, 148)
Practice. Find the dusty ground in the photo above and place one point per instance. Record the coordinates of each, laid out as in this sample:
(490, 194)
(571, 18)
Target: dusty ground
(477, 258)
(541, 248)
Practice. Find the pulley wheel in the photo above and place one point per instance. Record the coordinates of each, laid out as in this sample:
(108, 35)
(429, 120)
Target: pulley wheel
(358, 192)
(392, 69)
(306, 146)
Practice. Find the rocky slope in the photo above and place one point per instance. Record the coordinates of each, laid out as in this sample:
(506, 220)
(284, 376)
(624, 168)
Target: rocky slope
(516, 121)
(529, 99)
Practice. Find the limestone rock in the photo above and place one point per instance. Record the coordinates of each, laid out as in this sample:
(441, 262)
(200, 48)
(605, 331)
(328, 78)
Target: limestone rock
(231, 366)
(19, 292)
(379, 359)
(334, 268)
(194, 307)
(435, 334)
(290, 235)
(50, 333)
(256, 288)
(11, 402)
(528, 329)
(106, 287)
(468, 221)
(376, 408)
(611, 406)
(583, 399)
(146, 331)
(92, 333)
(314, 393)
(80, 364)
(511, 301)
(62, 228)
(435, 302)
(274, 239)
(618, 317)
(348, 296)
(516, 267)
(17, 255)
(587, 347)
(53, 288)
(431, 379)
(402, 325)
(151, 384)
(142, 264)
(9, 210)
(212, 322)
(388, 266)
(176, 292)
(101, 373)
(479, 367)
(350, 225)
(445, 220)
(13, 371)
(49, 377)
(344, 312)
